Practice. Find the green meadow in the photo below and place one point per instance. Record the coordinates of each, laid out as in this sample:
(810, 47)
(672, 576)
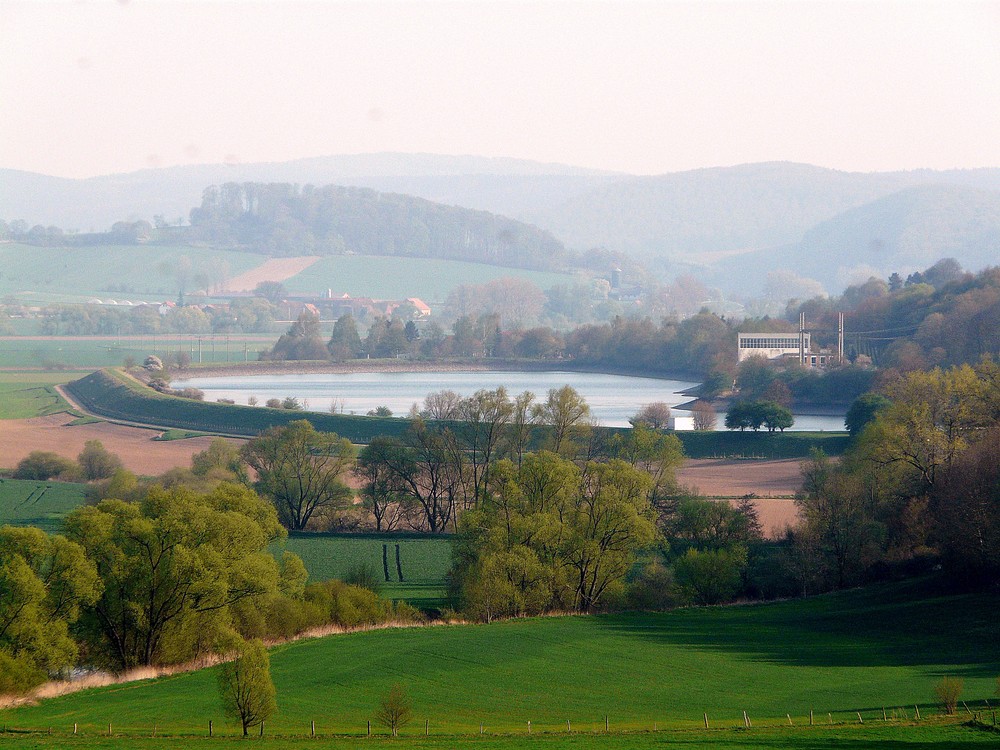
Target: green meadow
(66, 352)
(49, 275)
(63, 275)
(423, 560)
(836, 655)
(926, 735)
(32, 394)
(25, 502)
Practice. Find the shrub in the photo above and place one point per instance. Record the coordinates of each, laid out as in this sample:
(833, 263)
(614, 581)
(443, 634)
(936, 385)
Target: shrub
(97, 462)
(18, 675)
(948, 690)
(652, 588)
(363, 576)
(710, 576)
(44, 465)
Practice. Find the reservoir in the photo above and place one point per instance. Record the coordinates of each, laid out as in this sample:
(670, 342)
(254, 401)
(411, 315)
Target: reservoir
(612, 398)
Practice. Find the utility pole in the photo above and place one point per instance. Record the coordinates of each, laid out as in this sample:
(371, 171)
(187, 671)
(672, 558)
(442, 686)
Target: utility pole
(802, 338)
(840, 338)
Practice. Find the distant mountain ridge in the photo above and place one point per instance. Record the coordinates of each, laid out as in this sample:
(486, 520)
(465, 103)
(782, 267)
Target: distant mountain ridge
(721, 223)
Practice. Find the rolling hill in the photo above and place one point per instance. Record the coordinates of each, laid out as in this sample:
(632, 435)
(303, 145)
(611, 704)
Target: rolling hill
(720, 223)
(840, 653)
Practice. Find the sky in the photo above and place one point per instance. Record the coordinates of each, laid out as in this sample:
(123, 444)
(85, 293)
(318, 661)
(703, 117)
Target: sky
(90, 88)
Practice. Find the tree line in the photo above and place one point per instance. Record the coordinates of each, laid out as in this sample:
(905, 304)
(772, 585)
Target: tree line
(919, 487)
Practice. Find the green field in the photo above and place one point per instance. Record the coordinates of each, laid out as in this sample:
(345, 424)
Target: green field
(891, 736)
(135, 272)
(24, 395)
(425, 561)
(837, 654)
(26, 502)
(390, 277)
(71, 352)
(62, 275)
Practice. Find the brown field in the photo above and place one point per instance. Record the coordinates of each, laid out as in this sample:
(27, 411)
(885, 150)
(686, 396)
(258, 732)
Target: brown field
(138, 450)
(276, 269)
(774, 483)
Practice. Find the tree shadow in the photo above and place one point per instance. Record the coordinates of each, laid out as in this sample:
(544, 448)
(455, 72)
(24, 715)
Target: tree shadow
(898, 625)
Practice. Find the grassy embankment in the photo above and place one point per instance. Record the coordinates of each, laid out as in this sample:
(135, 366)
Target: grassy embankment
(115, 395)
(838, 655)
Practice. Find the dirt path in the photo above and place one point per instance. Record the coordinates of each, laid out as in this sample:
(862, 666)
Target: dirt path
(275, 269)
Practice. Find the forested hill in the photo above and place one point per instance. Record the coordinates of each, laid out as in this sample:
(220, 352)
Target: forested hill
(283, 219)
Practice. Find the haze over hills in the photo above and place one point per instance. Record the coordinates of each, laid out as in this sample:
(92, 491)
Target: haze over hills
(503, 186)
(906, 231)
(727, 224)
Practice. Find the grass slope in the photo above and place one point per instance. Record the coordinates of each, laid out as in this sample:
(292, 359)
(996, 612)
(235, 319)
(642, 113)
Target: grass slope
(26, 502)
(841, 653)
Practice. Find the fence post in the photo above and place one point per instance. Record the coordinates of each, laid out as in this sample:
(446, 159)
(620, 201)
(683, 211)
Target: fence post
(369, 727)
(529, 727)
(262, 729)
(606, 723)
(883, 714)
(480, 727)
(860, 720)
(917, 710)
(312, 728)
(810, 717)
(789, 720)
(569, 727)
(706, 720)
(209, 727)
(74, 727)
(109, 729)
(426, 727)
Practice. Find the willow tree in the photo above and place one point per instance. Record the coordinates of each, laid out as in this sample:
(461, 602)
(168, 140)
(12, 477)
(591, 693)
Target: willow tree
(172, 566)
(552, 535)
(44, 581)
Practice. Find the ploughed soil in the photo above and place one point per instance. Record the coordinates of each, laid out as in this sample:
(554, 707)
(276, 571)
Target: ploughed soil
(773, 482)
(275, 269)
(136, 446)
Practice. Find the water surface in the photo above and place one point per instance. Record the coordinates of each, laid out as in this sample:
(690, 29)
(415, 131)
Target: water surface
(612, 398)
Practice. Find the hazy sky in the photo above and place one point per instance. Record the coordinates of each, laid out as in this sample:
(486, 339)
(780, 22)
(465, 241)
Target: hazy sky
(92, 88)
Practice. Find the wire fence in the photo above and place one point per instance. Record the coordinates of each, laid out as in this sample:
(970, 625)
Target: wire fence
(981, 713)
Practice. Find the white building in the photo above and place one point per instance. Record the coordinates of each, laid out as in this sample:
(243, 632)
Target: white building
(680, 422)
(769, 345)
(780, 346)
